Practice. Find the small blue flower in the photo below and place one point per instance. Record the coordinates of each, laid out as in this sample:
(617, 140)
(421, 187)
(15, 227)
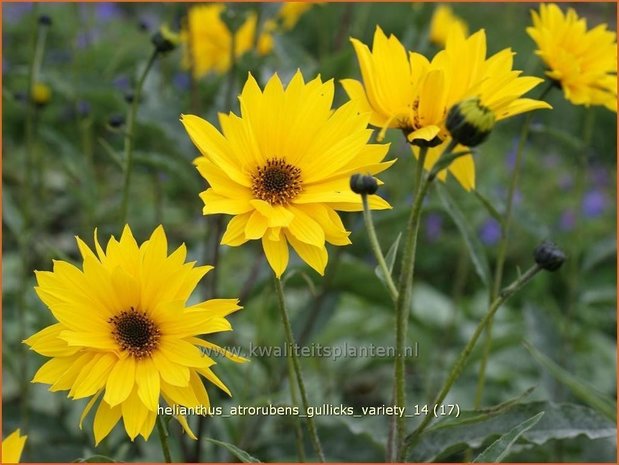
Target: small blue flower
(490, 232)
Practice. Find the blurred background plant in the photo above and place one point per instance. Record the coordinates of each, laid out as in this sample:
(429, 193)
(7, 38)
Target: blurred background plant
(69, 71)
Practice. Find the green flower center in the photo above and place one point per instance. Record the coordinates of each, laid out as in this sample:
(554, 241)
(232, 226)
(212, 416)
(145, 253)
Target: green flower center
(135, 332)
(277, 182)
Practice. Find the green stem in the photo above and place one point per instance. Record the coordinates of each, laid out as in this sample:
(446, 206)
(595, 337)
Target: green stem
(403, 302)
(380, 258)
(163, 437)
(297, 368)
(129, 137)
(458, 366)
(502, 250)
(29, 225)
(295, 401)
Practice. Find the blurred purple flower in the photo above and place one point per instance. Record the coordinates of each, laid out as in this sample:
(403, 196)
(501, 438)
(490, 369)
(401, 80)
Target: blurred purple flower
(568, 220)
(107, 11)
(122, 83)
(182, 81)
(594, 203)
(599, 176)
(490, 232)
(433, 226)
(13, 12)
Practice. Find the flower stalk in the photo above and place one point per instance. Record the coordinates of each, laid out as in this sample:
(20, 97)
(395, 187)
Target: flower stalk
(378, 254)
(311, 426)
(460, 363)
(130, 134)
(502, 249)
(163, 437)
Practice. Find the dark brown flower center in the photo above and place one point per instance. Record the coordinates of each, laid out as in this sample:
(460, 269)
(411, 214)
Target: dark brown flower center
(135, 332)
(277, 182)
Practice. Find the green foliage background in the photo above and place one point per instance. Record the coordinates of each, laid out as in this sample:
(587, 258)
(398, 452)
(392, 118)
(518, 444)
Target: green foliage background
(567, 193)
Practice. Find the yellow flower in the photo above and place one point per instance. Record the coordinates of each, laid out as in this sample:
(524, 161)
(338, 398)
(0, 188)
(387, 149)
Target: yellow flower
(125, 336)
(443, 22)
(12, 447)
(413, 94)
(583, 62)
(291, 12)
(283, 168)
(208, 40)
(265, 39)
(41, 94)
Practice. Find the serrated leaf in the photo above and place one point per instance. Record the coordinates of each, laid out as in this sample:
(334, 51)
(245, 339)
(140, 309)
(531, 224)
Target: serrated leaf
(579, 388)
(474, 247)
(389, 258)
(499, 449)
(471, 430)
(238, 453)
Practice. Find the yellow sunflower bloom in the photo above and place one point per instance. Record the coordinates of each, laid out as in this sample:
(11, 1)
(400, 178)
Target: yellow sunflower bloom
(282, 168)
(125, 336)
(583, 62)
(413, 94)
(12, 447)
(291, 12)
(443, 22)
(208, 40)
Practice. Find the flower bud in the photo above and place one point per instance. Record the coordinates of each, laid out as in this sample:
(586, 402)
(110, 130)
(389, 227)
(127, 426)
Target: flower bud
(469, 122)
(116, 121)
(549, 256)
(363, 184)
(165, 40)
(40, 94)
(45, 20)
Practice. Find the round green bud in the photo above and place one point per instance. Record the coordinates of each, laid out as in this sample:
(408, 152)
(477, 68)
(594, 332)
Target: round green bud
(469, 122)
(363, 184)
(549, 256)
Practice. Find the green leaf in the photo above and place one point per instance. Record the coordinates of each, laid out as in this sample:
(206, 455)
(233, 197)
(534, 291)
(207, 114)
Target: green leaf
(109, 150)
(583, 391)
(475, 249)
(499, 449)
(494, 213)
(601, 251)
(11, 215)
(95, 459)
(238, 453)
(389, 258)
(471, 430)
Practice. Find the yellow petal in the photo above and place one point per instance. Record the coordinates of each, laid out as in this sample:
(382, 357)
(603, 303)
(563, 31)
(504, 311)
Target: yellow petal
(120, 381)
(105, 419)
(276, 252)
(148, 381)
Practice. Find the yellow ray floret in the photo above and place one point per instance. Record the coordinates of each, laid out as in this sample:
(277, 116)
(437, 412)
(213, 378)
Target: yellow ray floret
(411, 93)
(583, 62)
(13, 446)
(282, 168)
(125, 336)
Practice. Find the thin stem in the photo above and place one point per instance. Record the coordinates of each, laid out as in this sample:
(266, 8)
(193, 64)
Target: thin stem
(297, 368)
(502, 250)
(402, 308)
(29, 225)
(380, 258)
(163, 438)
(295, 401)
(129, 137)
(460, 363)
